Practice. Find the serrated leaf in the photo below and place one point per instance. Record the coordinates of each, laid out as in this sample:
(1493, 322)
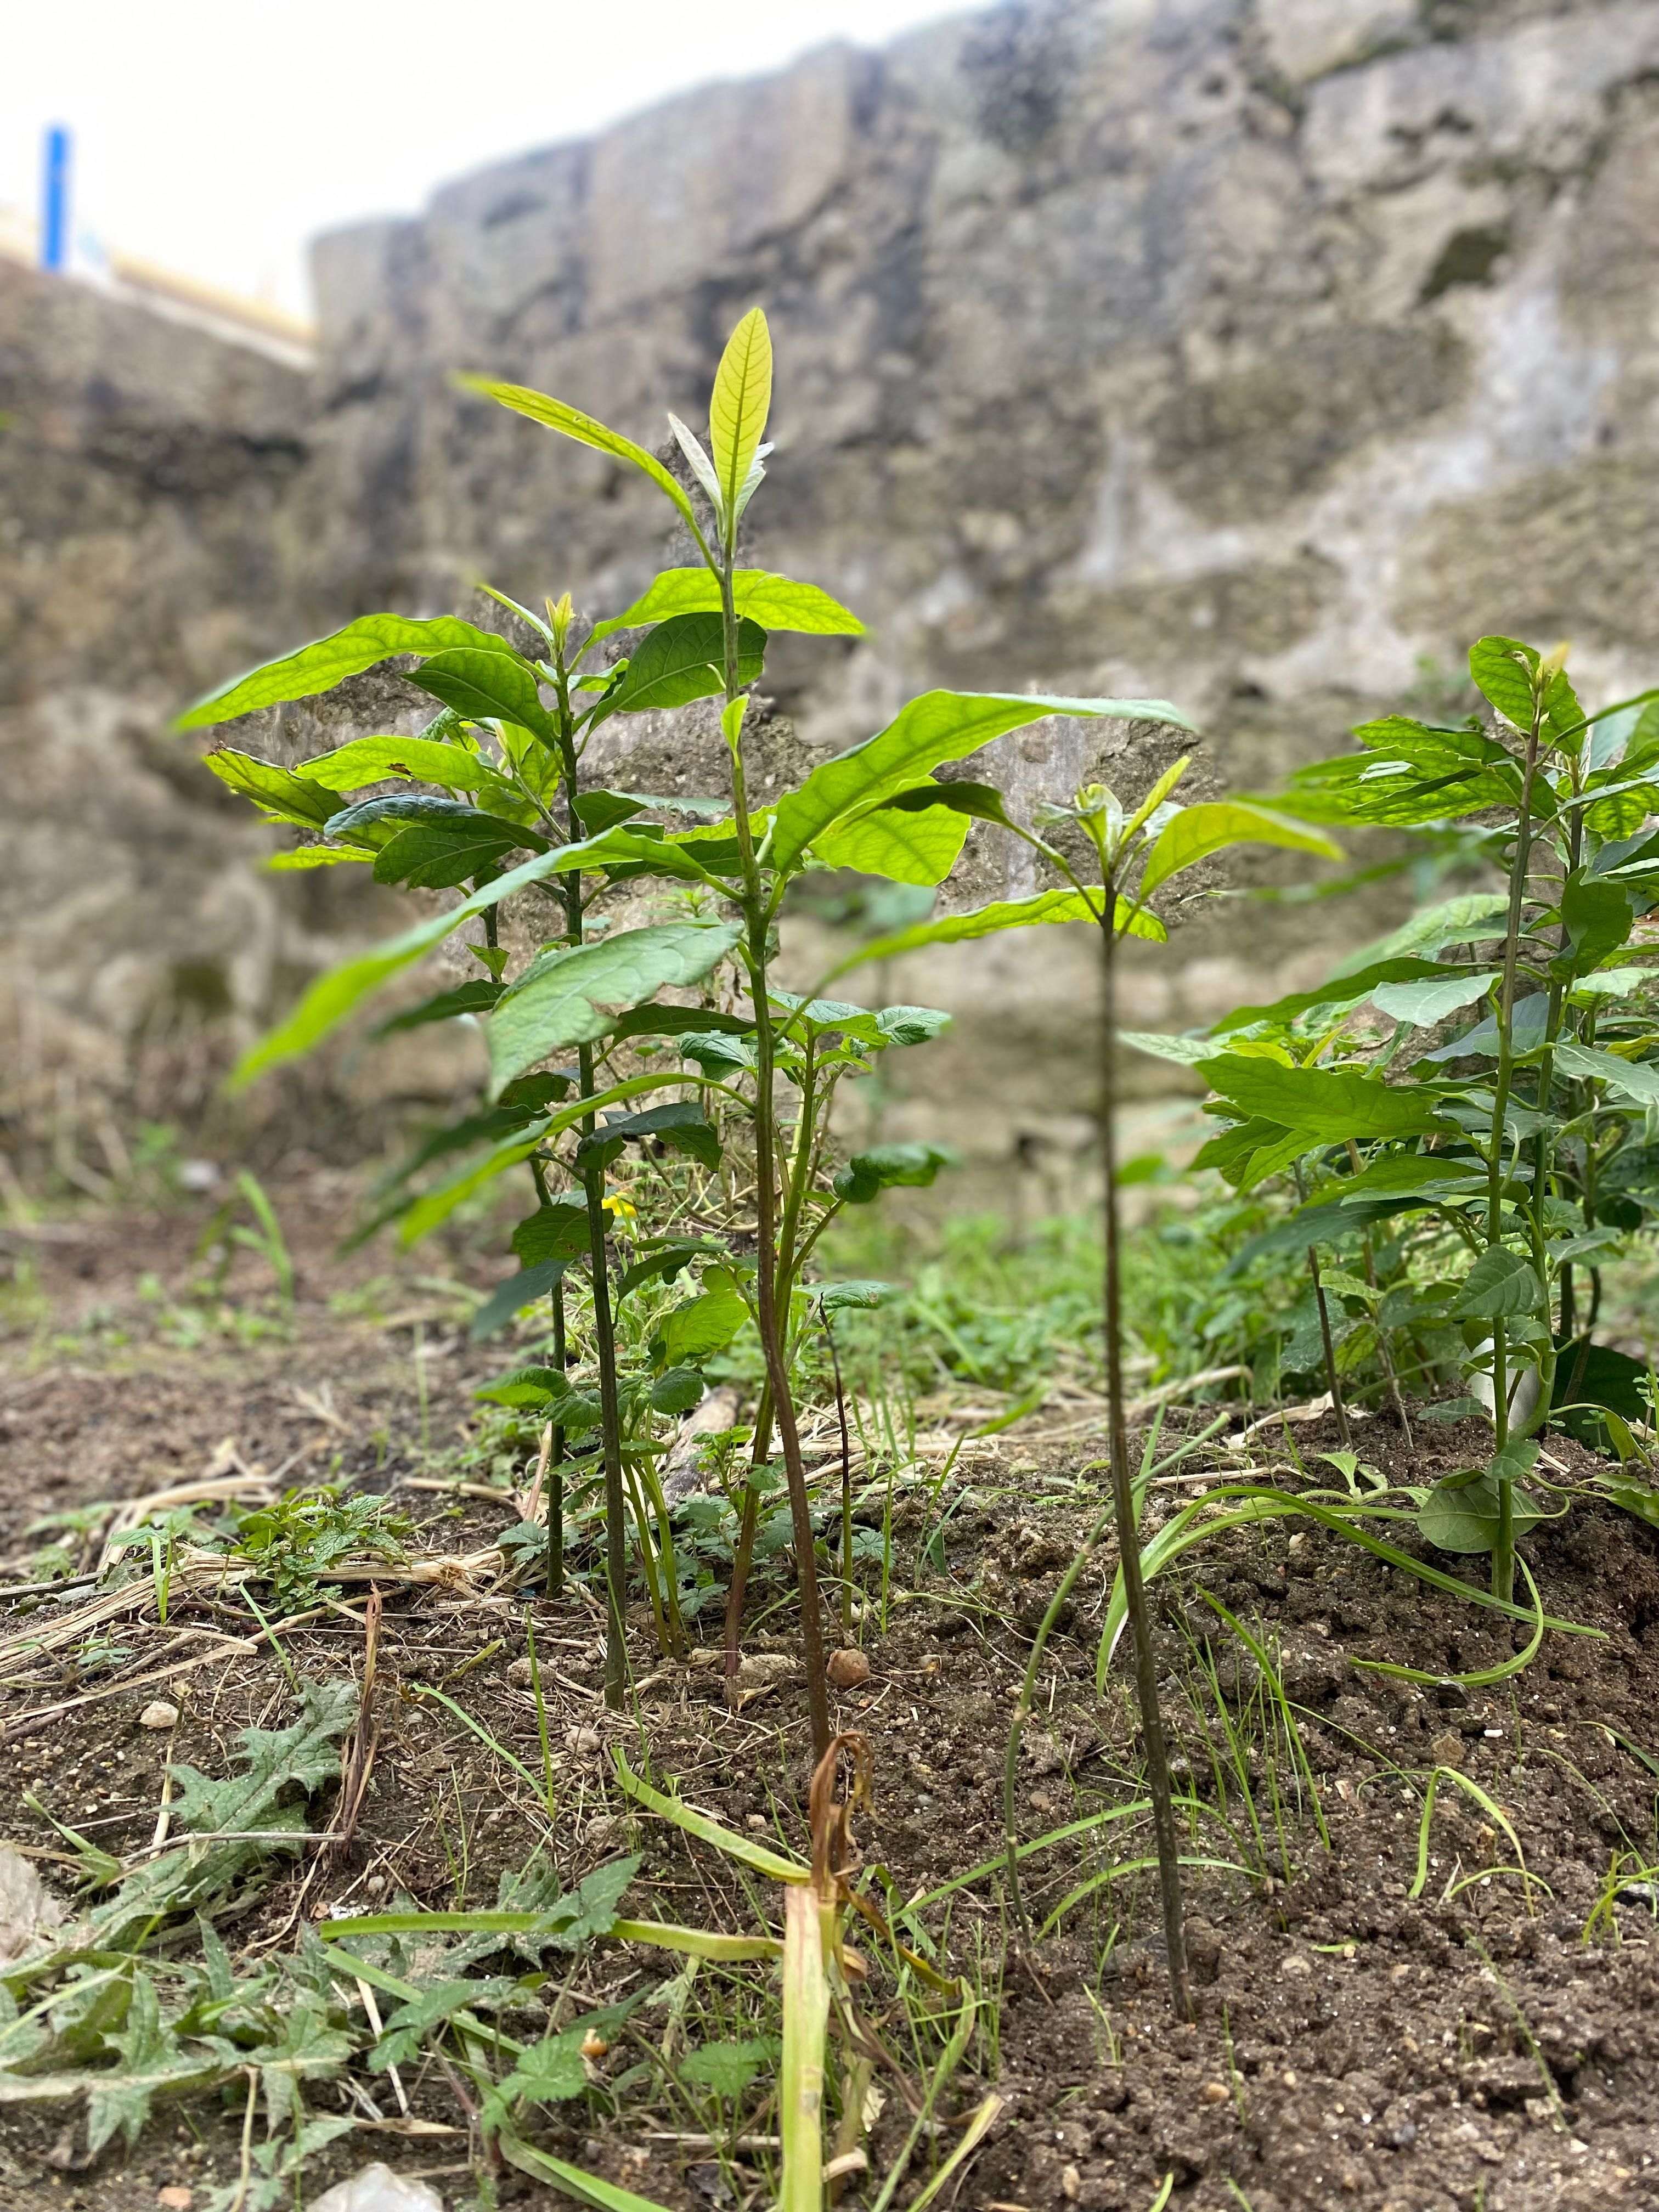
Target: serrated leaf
(738, 406)
(408, 2027)
(702, 1326)
(318, 667)
(575, 1000)
(550, 2072)
(1318, 1103)
(301, 1755)
(727, 2068)
(571, 422)
(1196, 832)
(936, 727)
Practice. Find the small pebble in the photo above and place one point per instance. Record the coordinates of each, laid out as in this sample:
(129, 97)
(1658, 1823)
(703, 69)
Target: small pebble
(757, 1822)
(848, 1670)
(586, 1742)
(1071, 2183)
(518, 1674)
(159, 1716)
(176, 2200)
(375, 1884)
(1213, 2093)
(1295, 1964)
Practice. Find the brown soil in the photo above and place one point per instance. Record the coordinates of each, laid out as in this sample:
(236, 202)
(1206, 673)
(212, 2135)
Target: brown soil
(1354, 2046)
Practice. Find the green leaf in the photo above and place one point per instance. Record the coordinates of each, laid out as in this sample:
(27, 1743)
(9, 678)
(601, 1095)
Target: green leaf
(153, 2062)
(550, 2072)
(845, 1296)
(677, 1390)
(370, 760)
(486, 686)
(682, 1127)
(513, 1296)
(1504, 671)
(727, 2068)
(774, 602)
(684, 658)
(1197, 831)
(439, 855)
(279, 794)
(867, 1174)
(703, 1326)
(1040, 908)
(939, 726)
(333, 996)
(319, 856)
(1319, 1103)
(1632, 1079)
(680, 1021)
(544, 1387)
(1453, 922)
(571, 422)
(1421, 1005)
(1598, 917)
(408, 2027)
(1405, 1175)
(557, 1230)
(317, 668)
(476, 997)
(1461, 1517)
(738, 408)
(905, 845)
(1184, 1051)
(570, 999)
(1528, 1019)
(1343, 988)
(1499, 1282)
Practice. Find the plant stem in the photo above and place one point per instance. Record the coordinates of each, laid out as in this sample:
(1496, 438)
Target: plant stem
(1503, 1555)
(845, 1489)
(766, 1284)
(605, 1334)
(749, 1520)
(1123, 1504)
(1332, 1382)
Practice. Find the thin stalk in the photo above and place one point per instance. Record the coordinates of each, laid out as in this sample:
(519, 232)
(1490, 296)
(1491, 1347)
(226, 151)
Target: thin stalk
(1503, 1555)
(555, 1480)
(604, 1333)
(846, 1488)
(1123, 1502)
(747, 1522)
(1383, 1352)
(1332, 1382)
(777, 1374)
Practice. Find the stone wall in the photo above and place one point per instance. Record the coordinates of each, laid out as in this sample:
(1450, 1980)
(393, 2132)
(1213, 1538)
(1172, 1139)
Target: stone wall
(1255, 353)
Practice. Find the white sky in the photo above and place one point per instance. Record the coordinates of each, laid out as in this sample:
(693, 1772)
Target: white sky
(217, 135)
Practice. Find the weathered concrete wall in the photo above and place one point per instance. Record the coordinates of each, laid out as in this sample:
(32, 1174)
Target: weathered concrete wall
(1251, 352)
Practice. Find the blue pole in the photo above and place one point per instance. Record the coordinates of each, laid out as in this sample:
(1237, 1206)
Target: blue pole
(54, 198)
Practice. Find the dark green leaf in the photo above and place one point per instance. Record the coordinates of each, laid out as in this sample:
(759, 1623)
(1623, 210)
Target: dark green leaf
(1528, 1019)
(1463, 1517)
(485, 687)
(476, 997)
(438, 855)
(557, 1230)
(682, 1127)
(679, 1389)
(679, 1021)
(727, 2068)
(513, 1296)
(317, 668)
(681, 660)
(1598, 917)
(883, 1167)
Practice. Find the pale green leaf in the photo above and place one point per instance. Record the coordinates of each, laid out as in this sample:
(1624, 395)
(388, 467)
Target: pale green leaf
(571, 999)
(317, 668)
(1041, 907)
(738, 406)
(774, 602)
(1631, 1079)
(1422, 1005)
(1197, 831)
(936, 727)
(703, 1326)
(1184, 1051)
(1320, 1104)
(902, 844)
(554, 414)
(316, 856)
(682, 659)
(1504, 670)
